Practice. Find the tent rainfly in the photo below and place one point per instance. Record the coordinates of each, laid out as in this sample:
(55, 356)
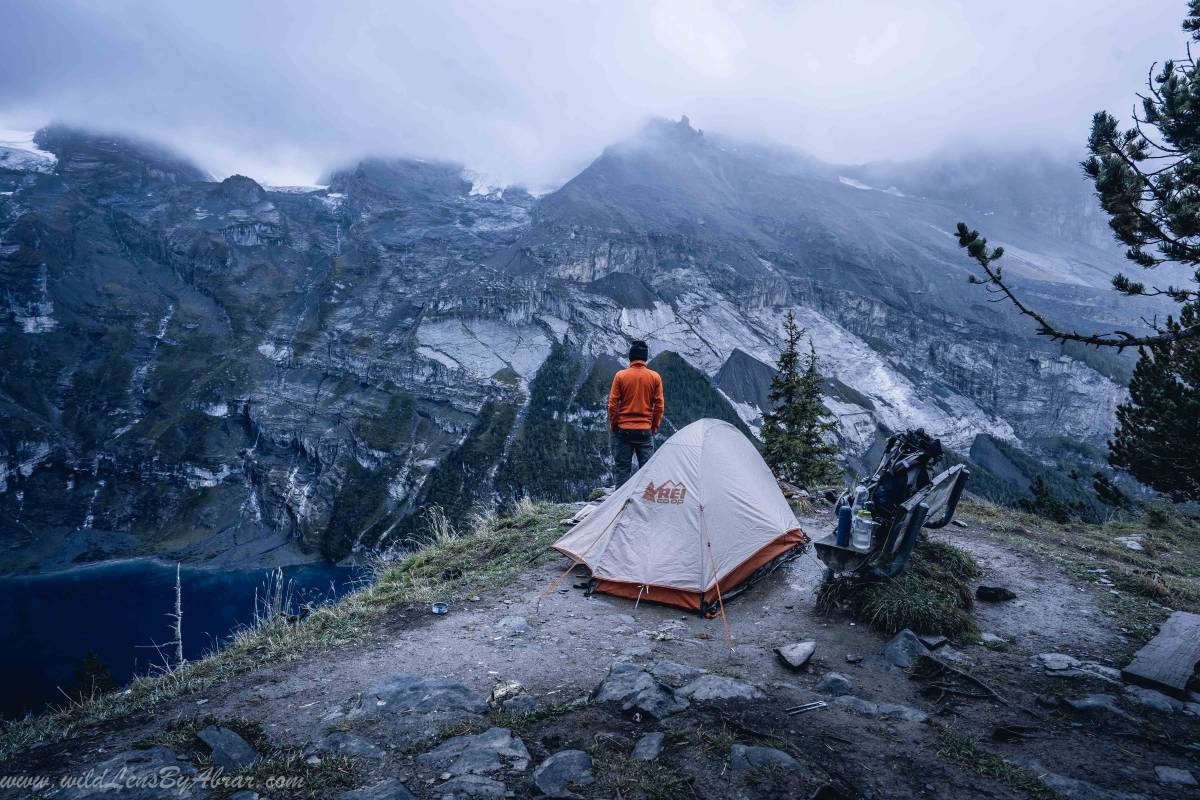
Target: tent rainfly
(698, 523)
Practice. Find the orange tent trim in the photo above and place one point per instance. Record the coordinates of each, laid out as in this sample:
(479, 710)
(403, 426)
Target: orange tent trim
(692, 599)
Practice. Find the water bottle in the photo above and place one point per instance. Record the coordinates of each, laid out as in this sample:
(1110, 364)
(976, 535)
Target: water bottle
(860, 497)
(845, 520)
(862, 531)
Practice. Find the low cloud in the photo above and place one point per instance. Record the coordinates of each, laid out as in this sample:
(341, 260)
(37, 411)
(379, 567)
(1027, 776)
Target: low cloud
(531, 91)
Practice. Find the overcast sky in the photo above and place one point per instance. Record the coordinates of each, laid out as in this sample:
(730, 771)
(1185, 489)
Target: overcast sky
(530, 92)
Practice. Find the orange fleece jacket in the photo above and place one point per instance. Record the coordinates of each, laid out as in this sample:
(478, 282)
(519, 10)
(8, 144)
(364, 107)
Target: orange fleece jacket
(636, 399)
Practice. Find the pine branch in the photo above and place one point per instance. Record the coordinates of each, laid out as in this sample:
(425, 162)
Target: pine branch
(976, 247)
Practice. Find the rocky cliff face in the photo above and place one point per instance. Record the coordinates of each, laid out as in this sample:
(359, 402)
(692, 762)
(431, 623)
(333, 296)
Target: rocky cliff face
(229, 372)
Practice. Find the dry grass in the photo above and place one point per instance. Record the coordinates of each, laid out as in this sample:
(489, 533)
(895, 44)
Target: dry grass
(450, 568)
(933, 595)
(618, 775)
(966, 752)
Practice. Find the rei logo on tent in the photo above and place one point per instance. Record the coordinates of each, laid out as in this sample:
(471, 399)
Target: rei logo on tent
(666, 492)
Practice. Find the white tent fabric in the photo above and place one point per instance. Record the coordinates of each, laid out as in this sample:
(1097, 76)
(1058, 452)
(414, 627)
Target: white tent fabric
(704, 505)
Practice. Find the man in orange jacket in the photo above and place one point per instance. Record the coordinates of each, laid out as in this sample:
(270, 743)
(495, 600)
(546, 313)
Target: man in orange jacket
(635, 410)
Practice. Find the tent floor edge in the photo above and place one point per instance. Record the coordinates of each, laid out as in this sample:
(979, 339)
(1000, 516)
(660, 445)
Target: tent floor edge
(787, 547)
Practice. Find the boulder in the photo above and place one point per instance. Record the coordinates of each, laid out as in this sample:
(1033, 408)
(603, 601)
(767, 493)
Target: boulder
(744, 757)
(835, 683)
(1152, 700)
(412, 694)
(564, 769)
(636, 689)
(1055, 662)
(230, 752)
(994, 594)
(717, 687)
(505, 691)
(991, 638)
(1098, 705)
(390, 789)
(138, 764)
(462, 786)
(520, 706)
(900, 712)
(491, 751)
(903, 649)
(412, 709)
(892, 711)
(796, 655)
(1061, 665)
(648, 747)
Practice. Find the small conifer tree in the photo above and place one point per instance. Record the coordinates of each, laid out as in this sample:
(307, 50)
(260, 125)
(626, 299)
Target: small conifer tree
(796, 428)
(1158, 429)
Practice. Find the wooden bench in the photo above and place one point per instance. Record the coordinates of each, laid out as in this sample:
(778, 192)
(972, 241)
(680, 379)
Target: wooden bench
(1168, 661)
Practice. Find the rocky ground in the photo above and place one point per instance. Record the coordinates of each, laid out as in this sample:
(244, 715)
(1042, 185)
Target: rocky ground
(539, 690)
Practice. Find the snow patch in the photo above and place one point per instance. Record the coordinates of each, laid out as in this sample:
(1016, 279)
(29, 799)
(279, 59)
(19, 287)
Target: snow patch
(558, 327)
(747, 413)
(334, 200)
(273, 353)
(30, 455)
(199, 477)
(483, 185)
(19, 153)
(297, 189)
(220, 409)
(852, 183)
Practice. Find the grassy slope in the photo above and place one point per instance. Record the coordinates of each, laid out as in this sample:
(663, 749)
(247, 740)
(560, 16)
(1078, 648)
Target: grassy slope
(1163, 576)
(489, 556)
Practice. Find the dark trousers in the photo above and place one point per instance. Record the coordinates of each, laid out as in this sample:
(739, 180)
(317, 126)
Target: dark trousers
(628, 443)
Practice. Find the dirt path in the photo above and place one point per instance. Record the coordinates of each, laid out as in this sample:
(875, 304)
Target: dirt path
(573, 640)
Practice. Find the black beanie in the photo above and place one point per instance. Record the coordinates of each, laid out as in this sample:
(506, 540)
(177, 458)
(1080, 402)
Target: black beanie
(639, 351)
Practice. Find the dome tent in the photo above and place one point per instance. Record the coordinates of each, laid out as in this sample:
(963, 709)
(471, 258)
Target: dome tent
(699, 522)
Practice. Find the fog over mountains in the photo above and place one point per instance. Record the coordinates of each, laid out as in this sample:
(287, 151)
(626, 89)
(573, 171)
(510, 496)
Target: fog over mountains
(234, 373)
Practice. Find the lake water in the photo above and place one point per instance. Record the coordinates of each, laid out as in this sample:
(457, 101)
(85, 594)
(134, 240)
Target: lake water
(48, 623)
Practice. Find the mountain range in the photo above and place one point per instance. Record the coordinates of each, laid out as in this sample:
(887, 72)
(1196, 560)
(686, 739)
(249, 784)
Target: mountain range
(233, 373)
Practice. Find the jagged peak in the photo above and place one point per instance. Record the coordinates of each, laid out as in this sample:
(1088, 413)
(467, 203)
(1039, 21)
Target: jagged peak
(677, 132)
(242, 190)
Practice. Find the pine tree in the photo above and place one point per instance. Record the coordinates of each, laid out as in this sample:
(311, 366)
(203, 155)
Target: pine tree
(1109, 493)
(1158, 429)
(1045, 503)
(796, 428)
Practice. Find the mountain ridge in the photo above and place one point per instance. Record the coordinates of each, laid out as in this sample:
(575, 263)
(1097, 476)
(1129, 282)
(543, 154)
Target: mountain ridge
(216, 370)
